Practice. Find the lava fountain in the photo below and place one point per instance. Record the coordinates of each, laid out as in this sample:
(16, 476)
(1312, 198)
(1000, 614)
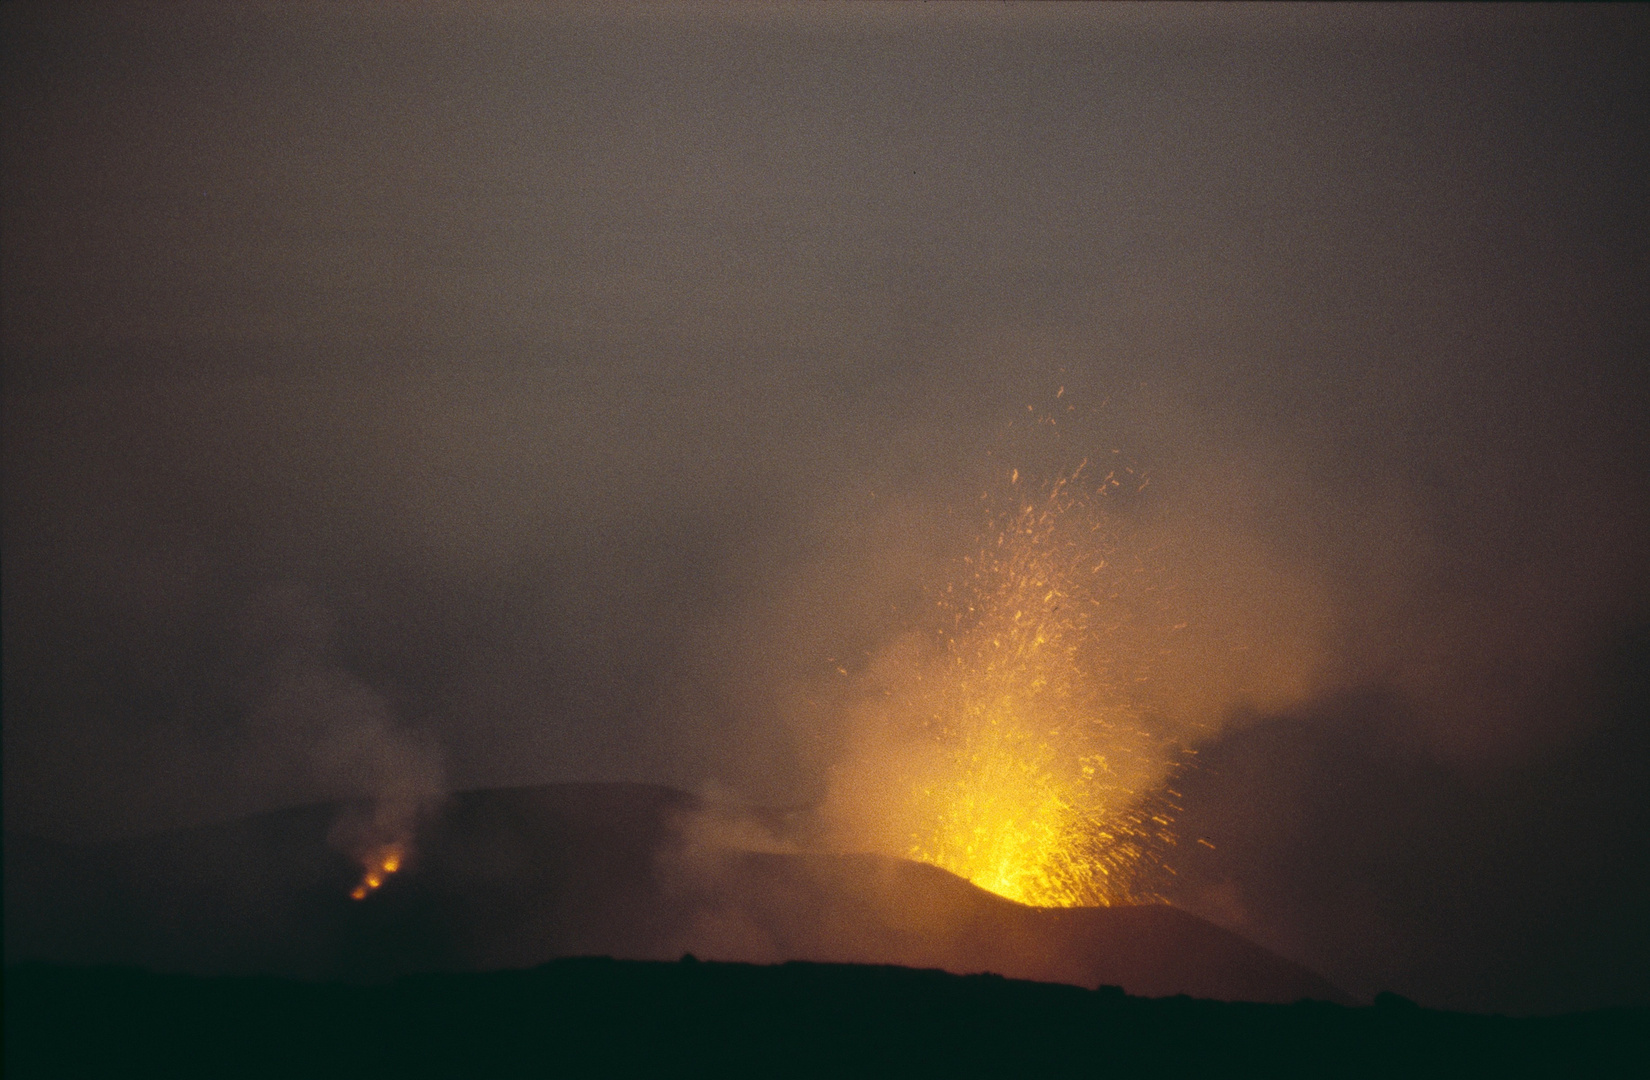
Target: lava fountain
(1003, 746)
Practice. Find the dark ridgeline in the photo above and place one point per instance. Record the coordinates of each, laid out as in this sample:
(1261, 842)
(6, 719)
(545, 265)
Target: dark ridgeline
(513, 878)
(278, 973)
(632, 1018)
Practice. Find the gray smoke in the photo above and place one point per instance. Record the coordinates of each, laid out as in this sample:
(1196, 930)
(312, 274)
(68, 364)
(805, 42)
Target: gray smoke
(317, 732)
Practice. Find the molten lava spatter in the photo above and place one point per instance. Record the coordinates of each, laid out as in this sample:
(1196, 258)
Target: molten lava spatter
(380, 864)
(1041, 780)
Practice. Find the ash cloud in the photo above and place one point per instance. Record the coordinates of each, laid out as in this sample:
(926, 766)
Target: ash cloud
(617, 380)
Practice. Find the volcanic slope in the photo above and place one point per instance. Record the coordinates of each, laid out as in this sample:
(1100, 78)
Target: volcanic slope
(515, 877)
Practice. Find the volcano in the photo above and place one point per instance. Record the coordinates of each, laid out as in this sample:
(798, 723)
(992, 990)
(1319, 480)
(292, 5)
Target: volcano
(512, 878)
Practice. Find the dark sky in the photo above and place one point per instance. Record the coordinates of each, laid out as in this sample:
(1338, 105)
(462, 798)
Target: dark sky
(535, 394)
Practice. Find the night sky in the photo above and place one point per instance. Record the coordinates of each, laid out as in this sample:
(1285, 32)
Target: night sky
(450, 396)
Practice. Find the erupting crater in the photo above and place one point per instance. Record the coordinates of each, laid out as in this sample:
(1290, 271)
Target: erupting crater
(1005, 747)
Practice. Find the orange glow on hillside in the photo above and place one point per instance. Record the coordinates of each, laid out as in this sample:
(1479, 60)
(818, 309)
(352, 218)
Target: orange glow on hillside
(379, 865)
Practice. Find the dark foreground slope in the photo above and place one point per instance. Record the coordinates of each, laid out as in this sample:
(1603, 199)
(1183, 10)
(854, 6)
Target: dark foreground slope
(513, 878)
(605, 1017)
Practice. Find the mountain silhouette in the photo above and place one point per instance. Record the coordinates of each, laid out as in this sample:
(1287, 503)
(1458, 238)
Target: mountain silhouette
(512, 878)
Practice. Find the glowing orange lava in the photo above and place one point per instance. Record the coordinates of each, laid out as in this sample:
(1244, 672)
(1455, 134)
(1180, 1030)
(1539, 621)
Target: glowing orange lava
(380, 864)
(1038, 779)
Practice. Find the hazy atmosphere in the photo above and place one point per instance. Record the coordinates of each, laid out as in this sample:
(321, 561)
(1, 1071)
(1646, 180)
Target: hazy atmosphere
(406, 400)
